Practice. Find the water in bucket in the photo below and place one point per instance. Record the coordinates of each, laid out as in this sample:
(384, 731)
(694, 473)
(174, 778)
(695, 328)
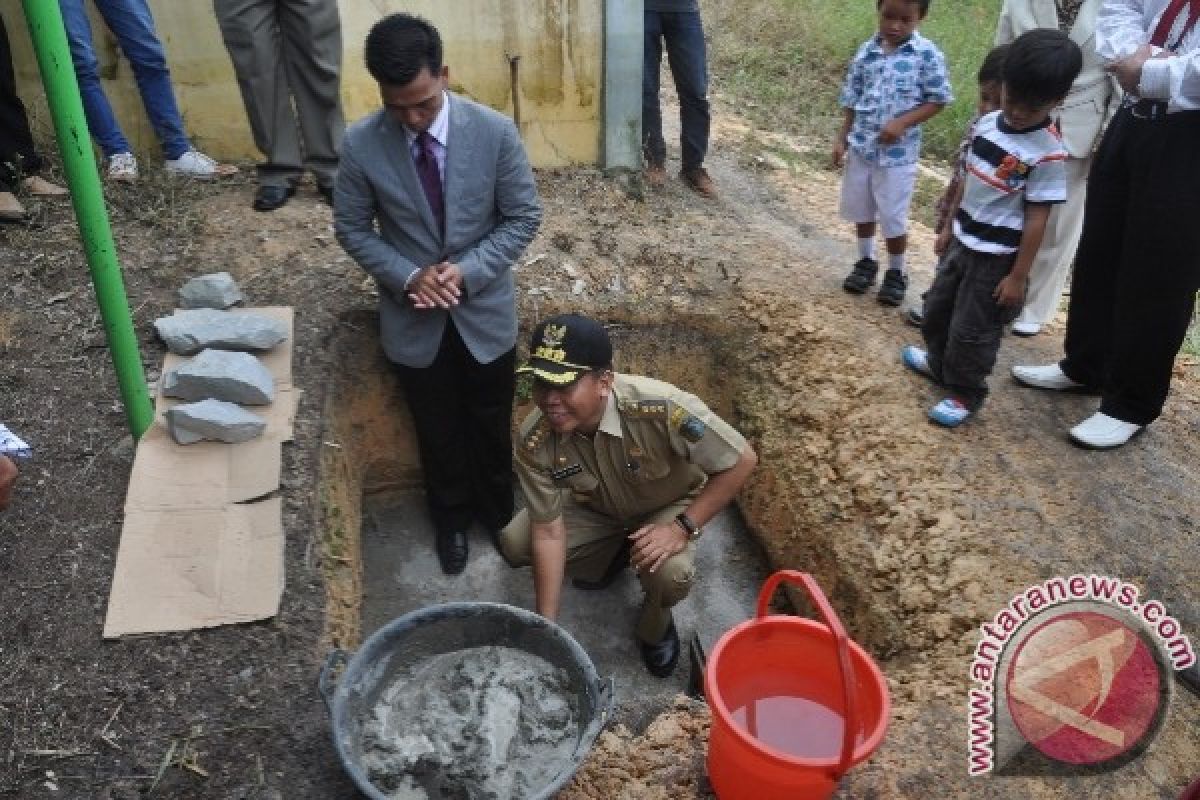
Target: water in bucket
(797, 726)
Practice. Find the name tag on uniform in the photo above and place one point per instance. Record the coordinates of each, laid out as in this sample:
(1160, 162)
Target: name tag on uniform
(566, 472)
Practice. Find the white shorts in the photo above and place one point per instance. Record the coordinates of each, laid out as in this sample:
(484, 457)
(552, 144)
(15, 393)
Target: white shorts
(871, 193)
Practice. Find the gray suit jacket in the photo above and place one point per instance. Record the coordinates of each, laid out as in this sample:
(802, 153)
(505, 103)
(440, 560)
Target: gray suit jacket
(492, 214)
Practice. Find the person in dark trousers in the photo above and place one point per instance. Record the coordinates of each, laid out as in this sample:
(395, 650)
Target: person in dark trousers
(1015, 174)
(1137, 269)
(287, 55)
(677, 24)
(20, 161)
(447, 182)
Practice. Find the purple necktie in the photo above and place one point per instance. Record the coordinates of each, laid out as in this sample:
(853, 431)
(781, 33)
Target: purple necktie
(431, 178)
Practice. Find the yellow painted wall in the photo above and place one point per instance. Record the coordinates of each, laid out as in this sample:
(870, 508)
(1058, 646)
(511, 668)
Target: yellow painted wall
(560, 44)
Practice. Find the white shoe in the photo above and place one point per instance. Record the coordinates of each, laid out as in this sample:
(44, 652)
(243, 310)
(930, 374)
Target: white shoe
(1020, 328)
(1102, 432)
(123, 167)
(1050, 376)
(193, 164)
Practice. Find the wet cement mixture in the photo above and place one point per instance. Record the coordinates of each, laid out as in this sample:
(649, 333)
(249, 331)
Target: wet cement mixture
(486, 723)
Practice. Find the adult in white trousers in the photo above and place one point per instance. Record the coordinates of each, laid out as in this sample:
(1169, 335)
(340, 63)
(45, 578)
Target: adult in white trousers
(1081, 119)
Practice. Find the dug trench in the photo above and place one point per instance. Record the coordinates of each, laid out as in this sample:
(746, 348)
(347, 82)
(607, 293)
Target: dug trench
(915, 535)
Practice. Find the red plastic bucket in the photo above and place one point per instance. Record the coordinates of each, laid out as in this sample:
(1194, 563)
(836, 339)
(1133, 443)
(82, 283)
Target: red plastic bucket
(795, 703)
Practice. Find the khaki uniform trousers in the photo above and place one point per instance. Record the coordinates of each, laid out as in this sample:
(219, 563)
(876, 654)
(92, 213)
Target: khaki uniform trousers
(593, 540)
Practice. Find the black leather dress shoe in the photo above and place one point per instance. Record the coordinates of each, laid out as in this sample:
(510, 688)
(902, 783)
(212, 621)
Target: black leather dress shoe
(269, 198)
(326, 193)
(661, 657)
(615, 568)
(452, 551)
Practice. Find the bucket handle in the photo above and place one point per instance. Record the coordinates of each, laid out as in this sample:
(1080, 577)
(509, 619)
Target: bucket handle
(606, 699)
(326, 683)
(830, 618)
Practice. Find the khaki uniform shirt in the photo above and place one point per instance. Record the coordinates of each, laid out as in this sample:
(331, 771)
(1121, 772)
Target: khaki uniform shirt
(655, 445)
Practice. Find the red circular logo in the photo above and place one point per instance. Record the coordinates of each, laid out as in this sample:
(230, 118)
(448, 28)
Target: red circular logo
(1084, 688)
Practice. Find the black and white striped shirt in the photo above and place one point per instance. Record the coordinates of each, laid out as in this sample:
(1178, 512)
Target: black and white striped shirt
(1007, 168)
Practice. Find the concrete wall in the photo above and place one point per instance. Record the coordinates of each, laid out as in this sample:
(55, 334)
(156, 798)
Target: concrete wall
(560, 82)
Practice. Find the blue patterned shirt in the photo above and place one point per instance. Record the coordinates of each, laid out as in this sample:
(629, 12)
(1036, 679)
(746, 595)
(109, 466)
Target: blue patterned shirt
(882, 86)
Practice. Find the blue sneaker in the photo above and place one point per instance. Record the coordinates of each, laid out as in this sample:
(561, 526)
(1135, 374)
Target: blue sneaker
(949, 413)
(917, 360)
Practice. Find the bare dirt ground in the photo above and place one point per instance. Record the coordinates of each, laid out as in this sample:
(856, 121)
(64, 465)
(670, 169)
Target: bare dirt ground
(917, 534)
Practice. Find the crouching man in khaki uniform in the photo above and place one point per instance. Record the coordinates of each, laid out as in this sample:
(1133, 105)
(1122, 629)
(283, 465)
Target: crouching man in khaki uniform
(616, 470)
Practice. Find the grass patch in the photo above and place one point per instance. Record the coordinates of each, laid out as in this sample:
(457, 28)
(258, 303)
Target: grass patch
(782, 62)
(1191, 343)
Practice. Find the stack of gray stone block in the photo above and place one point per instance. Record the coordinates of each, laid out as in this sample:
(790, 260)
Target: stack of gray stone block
(224, 372)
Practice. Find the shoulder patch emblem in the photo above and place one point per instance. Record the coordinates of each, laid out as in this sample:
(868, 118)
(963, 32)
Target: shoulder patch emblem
(693, 429)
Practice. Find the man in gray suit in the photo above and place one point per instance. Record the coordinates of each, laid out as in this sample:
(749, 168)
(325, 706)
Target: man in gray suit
(449, 185)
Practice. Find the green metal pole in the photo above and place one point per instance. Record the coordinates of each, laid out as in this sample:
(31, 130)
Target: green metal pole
(62, 95)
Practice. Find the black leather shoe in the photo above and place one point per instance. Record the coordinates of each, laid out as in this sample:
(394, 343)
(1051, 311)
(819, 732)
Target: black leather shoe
(269, 198)
(662, 656)
(452, 551)
(326, 193)
(615, 568)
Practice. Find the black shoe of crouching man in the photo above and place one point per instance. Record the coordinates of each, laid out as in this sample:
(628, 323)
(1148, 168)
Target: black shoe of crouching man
(661, 657)
(452, 551)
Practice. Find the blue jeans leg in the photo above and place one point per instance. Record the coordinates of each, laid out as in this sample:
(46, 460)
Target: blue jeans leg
(133, 25)
(102, 123)
(654, 149)
(684, 36)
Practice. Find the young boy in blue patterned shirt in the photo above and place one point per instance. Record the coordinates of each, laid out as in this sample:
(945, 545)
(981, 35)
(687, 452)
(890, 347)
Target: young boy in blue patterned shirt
(896, 81)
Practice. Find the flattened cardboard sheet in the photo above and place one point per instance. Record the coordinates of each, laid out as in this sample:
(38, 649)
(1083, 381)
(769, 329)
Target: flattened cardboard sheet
(202, 544)
(181, 569)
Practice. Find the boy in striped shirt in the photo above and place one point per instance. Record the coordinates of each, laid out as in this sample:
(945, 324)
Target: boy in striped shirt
(1015, 172)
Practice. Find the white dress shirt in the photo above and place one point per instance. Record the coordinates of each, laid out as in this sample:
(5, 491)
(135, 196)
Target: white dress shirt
(1125, 25)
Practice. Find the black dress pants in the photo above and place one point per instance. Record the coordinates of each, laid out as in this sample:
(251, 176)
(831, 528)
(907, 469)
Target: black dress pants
(18, 157)
(462, 411)
(1137, 269)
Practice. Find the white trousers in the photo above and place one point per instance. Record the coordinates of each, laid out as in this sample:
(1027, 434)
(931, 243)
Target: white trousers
(1053, 262)
(871, 192)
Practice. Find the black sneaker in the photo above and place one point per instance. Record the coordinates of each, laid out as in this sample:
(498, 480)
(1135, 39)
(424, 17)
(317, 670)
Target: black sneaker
(862, 277)
(895, 284)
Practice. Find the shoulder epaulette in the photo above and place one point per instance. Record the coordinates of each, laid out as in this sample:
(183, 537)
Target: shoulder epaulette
(536, 434)
(643, 408)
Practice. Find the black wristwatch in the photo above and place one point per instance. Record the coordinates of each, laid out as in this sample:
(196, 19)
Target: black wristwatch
(692, 530)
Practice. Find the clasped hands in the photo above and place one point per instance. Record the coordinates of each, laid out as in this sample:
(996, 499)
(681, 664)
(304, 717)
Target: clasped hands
(436, 286)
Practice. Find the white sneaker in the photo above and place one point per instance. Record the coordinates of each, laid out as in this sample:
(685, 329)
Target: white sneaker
(1021, 328)
(1050, 376)
(1102, 432)
(194, 164)
(123, 167)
